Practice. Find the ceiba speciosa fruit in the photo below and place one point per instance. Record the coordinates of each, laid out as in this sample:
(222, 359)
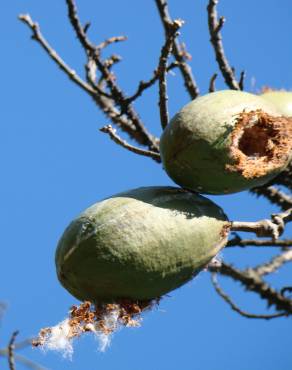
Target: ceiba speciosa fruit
(225, 142)
(282, 101)
(140, 244)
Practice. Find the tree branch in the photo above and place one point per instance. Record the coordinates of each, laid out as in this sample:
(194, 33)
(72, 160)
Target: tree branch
(37, 36)
(178, 50)
(104, 103)
(110, 41)
(162, 68)
(212, 83)
(112, 133)
(235, 308)
(237, 241)
(25, 361)
(273, 228)
(118, 96)
(274, 195)
(274, 264)
(254, 283)
(285, 177)
(143, 85)
(215, 26)
(11, 348)
(241, 81)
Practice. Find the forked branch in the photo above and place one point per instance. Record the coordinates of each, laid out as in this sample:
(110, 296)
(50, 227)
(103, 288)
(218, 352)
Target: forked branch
(236, 308)
(162, 69)
(273, 228)
(215, 26)
(178, 50)
(118, 140)
(253, 282)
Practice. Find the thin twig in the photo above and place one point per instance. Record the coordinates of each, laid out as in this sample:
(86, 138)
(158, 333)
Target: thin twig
(18, 358)
(274, 264)
(212, 87)
(143, 85)
(162, 67)
(105, 104)
(274, 195)
(286, 289)
(272, 228)
(112, 60)
(145, 138)
(110, 41)
(112, 133)
(25, 361)
(86, 27)
(285, 177)
(215, 26)
(235, 308)
(178, 50)
(37, 36)
(11, 347)
(237, 241)
(254, 283)
(241, 80)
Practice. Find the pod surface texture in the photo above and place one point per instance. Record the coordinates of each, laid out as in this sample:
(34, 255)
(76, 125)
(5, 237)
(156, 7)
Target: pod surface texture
(282, 101)
(198, 146)
(140, 244)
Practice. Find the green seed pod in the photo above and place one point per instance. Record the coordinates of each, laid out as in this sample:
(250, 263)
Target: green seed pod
(282, 100)
(225, 142)
(140, 244)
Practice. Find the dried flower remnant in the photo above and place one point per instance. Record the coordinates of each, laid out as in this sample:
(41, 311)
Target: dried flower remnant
(101, 320)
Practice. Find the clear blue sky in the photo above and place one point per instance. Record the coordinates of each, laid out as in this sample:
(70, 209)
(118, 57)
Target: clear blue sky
(55, 163)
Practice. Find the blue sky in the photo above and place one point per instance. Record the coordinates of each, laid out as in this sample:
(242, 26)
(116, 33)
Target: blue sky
(55, 163)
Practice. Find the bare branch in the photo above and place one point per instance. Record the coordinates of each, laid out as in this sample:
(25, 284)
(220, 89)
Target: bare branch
(237, 241)
(112, 60)
(273, 228)
(37, 36)
(178, 50)
(260, 228)
(18, 358)
(118, 96)
(162, 68)
(215, 26)
(254, 283)
(212, 83)
(241, 80)
(86, 27)
(286, 289)
(143, 85)
(110, 41)
(112, 133)
(235, 308)
(274, 264)
(25, 361)
(105, 104)
(285, 177)
(275, 196)
(11, 348)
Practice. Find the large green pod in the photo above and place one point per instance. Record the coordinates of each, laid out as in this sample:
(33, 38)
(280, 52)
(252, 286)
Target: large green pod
(224, 142)
(282, 100)
(140, 244)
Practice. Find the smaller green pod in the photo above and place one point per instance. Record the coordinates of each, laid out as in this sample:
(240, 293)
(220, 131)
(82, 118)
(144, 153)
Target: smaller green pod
(139, 245)
(282, 100)
(225, 142)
